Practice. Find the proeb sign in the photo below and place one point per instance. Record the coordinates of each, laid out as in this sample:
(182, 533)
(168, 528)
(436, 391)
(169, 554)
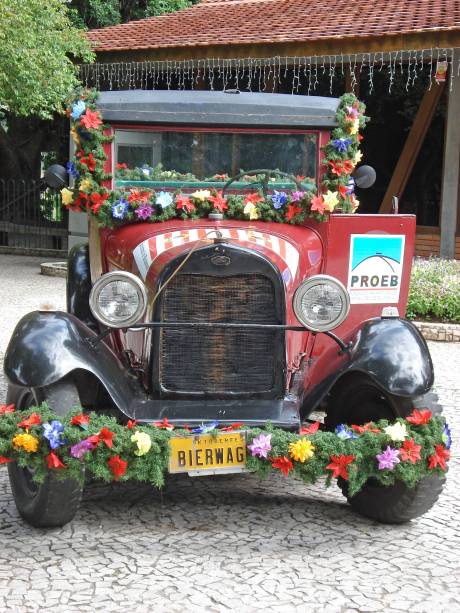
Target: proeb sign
(375, 268)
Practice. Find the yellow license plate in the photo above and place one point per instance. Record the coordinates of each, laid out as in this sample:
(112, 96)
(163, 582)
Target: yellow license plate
(203, 452)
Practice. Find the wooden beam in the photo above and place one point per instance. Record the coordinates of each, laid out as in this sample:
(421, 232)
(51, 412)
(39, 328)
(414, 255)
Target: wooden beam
(412, 146)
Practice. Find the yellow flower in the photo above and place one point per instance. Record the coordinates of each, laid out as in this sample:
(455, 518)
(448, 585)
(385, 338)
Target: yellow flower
(331, 200)
(354, 203)
(397, 432)
(28, 442)
(353, 129)
(75, 136)
(86, 185)
(67, 196)
(201, 194)
(143, 442)
(357, 158)
(301, 450)
(251, 210)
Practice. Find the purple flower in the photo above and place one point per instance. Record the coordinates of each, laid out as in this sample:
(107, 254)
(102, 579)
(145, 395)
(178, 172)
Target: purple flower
(344, 433)
(446, 437)
(71, 170)
(352, 111)
(260, 446)
(144, 211)
(341, 144)
(79, 449)
(120, 209)
(296, 196)
(53, 432)
(279, 199)
(388, 458)
(212, 425)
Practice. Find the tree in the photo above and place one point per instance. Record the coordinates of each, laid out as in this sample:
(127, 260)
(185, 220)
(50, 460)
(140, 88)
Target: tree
(38, 47)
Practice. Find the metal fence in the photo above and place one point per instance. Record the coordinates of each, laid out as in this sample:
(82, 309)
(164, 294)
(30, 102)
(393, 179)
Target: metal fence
(32, 220)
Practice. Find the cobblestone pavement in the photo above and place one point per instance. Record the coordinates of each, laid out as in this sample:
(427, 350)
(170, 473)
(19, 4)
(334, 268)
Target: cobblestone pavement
(224, 544)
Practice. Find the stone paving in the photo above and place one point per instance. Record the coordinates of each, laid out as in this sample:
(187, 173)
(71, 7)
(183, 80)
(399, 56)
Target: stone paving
(225, 543)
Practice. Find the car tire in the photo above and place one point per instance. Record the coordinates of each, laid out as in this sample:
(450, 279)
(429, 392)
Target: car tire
(54, 502)
(358, 400)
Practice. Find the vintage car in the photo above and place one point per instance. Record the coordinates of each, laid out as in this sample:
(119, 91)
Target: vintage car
(209, 318)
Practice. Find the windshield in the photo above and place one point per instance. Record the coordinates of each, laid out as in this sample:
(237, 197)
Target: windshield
(200, 156)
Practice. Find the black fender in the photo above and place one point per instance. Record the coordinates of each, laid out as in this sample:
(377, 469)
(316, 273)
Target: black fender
(47, 346)
(79, 285)
(392, 352)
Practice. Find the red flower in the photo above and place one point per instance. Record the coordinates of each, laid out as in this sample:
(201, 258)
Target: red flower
(164, 425)
(441, 454)
(317, 204)
(219, 203)
(253, 198)
(53, 461)
(6, 408)
(360, 137)
(33, 420)
(184, 203)
(292, 211)
(89, 162)
(366, 428)
(339, 465)
(4, 460)
(347, 167)
(336, 168)
(419, 418)
(122, 166)
(80, 202)
(136, 195)
(343, 191)
(117, 466)
(97, 201)
(131, 423)
(310, 429)
(94, 440)
(284, 464)
(91, 119)
(80, 420)
(232, 427)
(105, 436)
(410, 452)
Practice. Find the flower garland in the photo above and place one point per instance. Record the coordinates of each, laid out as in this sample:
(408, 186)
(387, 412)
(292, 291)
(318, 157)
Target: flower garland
(118, 207)
(407, 450)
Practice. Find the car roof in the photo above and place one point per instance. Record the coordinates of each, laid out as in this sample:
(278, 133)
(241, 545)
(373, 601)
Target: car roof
(230, 108)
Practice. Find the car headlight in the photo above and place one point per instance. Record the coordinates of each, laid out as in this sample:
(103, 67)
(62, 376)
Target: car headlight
(321, 303)
(118, 299)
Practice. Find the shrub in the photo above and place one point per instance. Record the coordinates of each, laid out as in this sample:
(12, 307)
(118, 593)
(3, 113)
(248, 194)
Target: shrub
(434, 291)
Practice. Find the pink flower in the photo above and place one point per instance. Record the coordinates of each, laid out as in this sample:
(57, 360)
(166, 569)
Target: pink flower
(144, 211)
(260, 445)
(388, 458)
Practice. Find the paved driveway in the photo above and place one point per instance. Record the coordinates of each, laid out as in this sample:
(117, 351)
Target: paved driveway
(224, 544)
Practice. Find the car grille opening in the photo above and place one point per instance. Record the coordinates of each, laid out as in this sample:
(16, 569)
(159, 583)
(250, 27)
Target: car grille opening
(218, 361)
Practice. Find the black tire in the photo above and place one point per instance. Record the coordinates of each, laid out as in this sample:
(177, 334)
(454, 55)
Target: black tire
(54, 502)
(357, 400)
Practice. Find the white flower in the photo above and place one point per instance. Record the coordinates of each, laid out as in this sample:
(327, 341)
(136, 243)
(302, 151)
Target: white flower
(397, 432)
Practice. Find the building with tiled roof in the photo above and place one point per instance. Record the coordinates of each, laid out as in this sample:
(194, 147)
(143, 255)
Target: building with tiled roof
(230, 28)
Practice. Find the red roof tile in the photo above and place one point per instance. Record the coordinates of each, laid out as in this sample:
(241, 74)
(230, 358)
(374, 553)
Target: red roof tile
(214, 22)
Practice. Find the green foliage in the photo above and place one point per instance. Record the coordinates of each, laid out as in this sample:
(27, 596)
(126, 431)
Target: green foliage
(152, 466)
(38, 44)
(434, 291)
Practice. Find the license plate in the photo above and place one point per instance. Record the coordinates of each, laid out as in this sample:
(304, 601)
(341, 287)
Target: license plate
(206, 453)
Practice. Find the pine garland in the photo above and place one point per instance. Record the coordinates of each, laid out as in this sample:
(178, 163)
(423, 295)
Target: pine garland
(118, 207)
(407, 450)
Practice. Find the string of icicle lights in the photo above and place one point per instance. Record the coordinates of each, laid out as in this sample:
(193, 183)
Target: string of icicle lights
(302, 75)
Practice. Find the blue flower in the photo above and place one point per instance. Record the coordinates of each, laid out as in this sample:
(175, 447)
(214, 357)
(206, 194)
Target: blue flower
(164, 199)
(212, 425)
(78, 108)
(341, 144)
(446, 436)
(350, 186)
(120, 209)
(344, 433)
(146, 170)
(279, 199)
(54, 433)
(71, 170)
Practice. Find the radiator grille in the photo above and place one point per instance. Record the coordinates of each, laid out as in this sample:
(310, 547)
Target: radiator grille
(218, 361)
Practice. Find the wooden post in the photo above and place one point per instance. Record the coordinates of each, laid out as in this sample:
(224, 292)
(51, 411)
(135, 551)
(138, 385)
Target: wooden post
(412, 146)
(450, 174)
